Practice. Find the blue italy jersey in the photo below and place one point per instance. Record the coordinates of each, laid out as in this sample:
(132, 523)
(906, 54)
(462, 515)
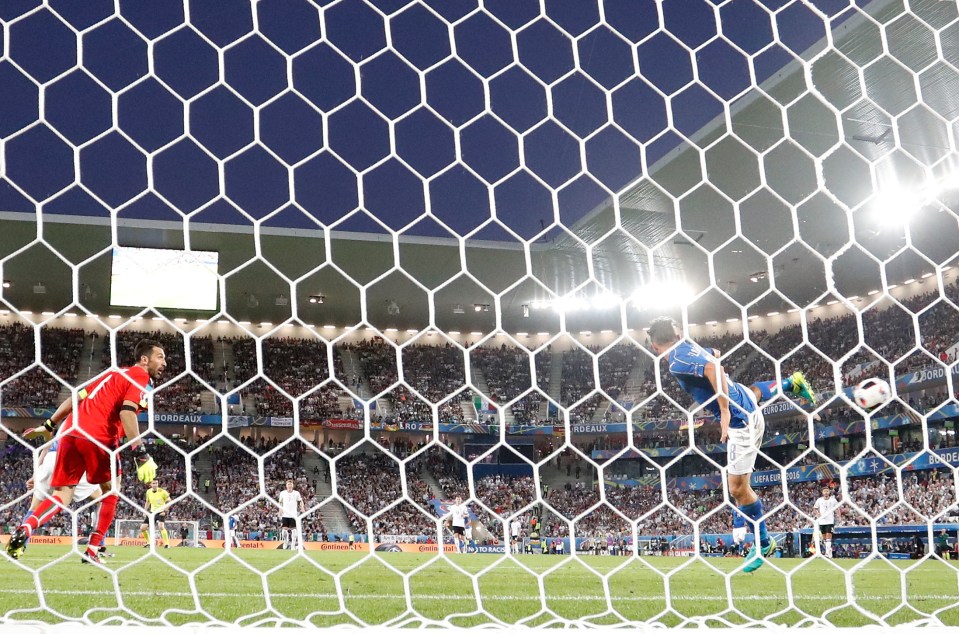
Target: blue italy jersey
(233, 522)
(687, 362)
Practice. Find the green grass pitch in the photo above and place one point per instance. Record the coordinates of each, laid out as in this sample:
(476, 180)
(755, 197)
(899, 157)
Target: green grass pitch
(326, 588)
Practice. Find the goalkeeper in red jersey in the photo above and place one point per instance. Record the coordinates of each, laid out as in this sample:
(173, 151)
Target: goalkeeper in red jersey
(106, 414)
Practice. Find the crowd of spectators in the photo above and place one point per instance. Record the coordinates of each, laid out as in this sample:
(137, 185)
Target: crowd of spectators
(507, 373)
(237, 481)
(436, 372)
(614, 368)
(370, 482)
(60, 353)
(888, 329)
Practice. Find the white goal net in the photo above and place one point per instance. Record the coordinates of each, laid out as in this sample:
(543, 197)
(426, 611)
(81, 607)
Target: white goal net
(401, 252)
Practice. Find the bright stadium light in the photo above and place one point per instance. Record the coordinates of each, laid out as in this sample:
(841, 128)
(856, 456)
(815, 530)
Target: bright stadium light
(605, 301)
(570, 304)
(661, 295)
(894, 205)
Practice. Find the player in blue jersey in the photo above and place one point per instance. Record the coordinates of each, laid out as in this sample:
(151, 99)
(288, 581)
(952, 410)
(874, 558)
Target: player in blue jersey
(736, 406)
(232, 525)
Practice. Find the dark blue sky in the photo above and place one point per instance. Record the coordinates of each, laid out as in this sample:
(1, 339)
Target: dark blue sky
(475, 107)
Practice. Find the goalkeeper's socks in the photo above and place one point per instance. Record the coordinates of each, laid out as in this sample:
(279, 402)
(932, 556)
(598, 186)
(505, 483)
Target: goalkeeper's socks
(166, 538)
(754, 512)
(42, 514)
(108, 510)
(96, 539)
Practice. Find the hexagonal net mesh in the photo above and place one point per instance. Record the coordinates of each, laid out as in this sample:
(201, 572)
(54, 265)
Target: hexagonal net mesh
(443, 231)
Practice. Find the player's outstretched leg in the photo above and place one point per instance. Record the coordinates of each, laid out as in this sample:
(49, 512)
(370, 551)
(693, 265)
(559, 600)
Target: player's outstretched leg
(752, 508)
(795, 383)
(43, 514)
(18, 551)
(742, 449)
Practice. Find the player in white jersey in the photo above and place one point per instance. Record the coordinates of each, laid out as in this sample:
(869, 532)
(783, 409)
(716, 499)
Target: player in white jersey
(291, 505)
(825, 508)
(515, 535)
(457, 518)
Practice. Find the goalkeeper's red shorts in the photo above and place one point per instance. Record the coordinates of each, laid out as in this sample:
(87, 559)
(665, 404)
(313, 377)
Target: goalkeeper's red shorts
(76, 456)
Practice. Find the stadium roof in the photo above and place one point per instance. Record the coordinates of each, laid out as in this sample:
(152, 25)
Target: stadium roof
(321, 118)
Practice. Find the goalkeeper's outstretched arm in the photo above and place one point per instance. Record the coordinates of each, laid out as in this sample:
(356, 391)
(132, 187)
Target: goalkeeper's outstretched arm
(49, 428)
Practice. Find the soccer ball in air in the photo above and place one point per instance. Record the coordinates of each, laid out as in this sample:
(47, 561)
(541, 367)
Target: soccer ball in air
(872, 392)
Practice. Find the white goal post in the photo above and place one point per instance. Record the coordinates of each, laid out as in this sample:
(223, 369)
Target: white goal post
(127, 532)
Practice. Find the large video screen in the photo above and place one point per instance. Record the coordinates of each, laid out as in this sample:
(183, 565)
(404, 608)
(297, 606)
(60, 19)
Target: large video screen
(164, 278)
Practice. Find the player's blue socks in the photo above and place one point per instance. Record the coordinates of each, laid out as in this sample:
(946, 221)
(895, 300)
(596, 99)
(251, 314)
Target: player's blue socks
(754, 512)
(739, 520)
(768, 389)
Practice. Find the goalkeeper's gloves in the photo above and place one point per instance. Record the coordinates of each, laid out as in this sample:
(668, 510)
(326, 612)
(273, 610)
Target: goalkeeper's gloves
(146, 467)
(45, 431)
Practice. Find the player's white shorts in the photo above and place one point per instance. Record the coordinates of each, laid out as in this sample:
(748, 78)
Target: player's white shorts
(468, 531)
(739, 534)
(742, 446)
(41, 481)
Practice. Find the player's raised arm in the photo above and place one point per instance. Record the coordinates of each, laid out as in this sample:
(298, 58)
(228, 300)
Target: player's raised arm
(49, 428)
(716, 375)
